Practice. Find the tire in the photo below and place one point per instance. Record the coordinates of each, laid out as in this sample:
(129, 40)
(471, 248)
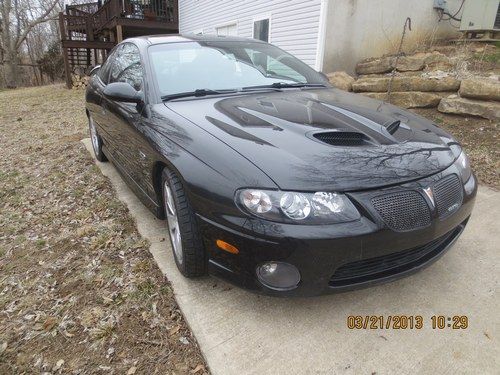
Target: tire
(187, 245)
(96, 140)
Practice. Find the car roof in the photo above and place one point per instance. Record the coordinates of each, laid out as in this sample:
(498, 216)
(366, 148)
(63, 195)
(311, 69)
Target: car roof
(174, 38)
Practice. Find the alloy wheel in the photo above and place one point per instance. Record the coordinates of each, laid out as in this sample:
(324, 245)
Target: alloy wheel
(93, 136)
(173, 223)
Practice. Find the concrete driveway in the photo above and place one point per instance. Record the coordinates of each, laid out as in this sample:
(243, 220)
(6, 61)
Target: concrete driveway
(243, 333)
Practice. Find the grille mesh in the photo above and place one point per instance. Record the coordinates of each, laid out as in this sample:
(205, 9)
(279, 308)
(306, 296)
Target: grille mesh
(342, 138)
(448, 195)
(402, 211)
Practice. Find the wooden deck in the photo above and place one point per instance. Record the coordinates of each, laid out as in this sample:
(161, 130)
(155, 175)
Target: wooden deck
(89, 31)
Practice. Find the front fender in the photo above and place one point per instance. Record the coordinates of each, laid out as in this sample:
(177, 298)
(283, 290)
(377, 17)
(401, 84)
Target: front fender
(211, 171)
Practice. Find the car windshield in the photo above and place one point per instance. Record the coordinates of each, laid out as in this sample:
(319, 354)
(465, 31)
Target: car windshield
(226, 65)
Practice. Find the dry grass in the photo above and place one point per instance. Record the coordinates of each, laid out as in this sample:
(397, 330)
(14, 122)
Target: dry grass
(79, 291)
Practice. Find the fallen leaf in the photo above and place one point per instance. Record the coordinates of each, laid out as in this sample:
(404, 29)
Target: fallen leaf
(68, 334)
(132, 370)
(198, 368)
(3, 347)
(174, 330)
(184, 340)
(49, 323)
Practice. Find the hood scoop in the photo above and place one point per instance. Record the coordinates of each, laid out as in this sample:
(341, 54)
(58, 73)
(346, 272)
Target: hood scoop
(343, 138)
(393, 127)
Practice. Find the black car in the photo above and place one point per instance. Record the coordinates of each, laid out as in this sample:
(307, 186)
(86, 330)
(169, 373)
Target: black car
(267, 175)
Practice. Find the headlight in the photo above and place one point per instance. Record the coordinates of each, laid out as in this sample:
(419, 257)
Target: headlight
(294, 207)
(463, 166)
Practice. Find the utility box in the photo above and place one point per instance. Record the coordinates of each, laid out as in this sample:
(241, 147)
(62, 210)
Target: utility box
(481, 15)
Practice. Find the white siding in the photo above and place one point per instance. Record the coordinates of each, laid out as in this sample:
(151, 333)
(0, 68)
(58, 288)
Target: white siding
(369, 28)
(294, 24)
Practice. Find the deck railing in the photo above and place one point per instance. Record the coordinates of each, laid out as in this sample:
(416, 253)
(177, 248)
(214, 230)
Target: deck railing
(90, 18)
(149, 10)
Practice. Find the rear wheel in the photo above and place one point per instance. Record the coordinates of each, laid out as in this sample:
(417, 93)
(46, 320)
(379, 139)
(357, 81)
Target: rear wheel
(96, 141)
(185, 238)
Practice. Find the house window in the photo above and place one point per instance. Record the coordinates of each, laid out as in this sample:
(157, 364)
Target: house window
(227, 30)
(261, 29)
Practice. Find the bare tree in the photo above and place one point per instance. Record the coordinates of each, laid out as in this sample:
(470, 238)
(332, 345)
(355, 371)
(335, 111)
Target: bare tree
(17, 19)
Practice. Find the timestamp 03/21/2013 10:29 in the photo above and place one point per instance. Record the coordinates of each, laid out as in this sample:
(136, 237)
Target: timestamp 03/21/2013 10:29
(437, 322)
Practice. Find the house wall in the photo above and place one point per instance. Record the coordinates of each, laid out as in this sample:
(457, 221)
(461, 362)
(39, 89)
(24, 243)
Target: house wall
(357, 29)
(294, 24)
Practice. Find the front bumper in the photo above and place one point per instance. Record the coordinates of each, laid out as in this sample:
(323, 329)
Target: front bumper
(333, 258)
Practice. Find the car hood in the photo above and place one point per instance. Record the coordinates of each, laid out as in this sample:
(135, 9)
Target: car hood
(380, 144)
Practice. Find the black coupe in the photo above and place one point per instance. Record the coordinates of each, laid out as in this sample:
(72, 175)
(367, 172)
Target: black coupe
(267, 175)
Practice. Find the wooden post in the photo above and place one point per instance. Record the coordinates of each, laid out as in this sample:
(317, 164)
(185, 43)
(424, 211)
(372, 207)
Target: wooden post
(119, 33)
(176, 12)
(64, 51)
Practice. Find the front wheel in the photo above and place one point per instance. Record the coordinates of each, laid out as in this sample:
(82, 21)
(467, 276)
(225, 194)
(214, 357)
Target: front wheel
(96, 141)
(187, 246)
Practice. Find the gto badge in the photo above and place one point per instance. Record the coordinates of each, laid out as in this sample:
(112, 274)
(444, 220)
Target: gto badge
(430, 195)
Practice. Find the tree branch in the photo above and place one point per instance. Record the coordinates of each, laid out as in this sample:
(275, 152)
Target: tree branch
(43, 18)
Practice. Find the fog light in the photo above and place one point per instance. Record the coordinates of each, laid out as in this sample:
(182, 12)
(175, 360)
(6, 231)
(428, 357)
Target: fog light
(278, 275)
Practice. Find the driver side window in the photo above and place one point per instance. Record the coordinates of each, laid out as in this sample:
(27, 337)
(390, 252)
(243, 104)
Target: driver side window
(126, 66)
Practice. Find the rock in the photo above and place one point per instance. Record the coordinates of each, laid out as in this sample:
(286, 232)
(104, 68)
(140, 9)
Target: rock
(341, 80)
(438, 61)
(412, 62)
(476, 88)
(375, 65)
(410, 99)
(406, 84)
(461, 106)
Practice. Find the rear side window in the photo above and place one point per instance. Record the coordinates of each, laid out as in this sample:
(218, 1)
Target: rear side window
(103, 73)
(126, 66)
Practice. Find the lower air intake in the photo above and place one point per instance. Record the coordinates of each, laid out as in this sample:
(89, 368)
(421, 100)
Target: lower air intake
(392, 264)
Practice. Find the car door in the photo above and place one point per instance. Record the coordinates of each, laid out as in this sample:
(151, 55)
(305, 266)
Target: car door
(95, 95)
(124, 120)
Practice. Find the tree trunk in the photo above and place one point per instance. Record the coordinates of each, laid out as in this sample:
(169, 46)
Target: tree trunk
(11, 70)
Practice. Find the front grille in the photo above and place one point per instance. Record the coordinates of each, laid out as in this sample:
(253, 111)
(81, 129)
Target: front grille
(402, 211)
(342, 138)
(448, 194)
(391, 264)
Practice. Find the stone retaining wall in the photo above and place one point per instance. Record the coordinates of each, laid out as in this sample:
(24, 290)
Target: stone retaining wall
(424, 80)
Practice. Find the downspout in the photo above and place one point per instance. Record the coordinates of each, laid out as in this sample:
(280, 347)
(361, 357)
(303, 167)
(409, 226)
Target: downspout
(320, 46)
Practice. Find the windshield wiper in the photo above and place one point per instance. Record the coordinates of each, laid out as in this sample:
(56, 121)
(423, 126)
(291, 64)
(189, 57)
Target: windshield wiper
(196, 93)
(283, 85)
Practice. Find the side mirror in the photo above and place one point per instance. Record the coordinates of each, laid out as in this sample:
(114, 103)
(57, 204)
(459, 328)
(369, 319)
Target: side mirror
(123, 92)
(94, 70)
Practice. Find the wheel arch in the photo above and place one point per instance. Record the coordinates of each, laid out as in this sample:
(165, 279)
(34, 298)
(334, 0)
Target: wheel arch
(156, 175)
